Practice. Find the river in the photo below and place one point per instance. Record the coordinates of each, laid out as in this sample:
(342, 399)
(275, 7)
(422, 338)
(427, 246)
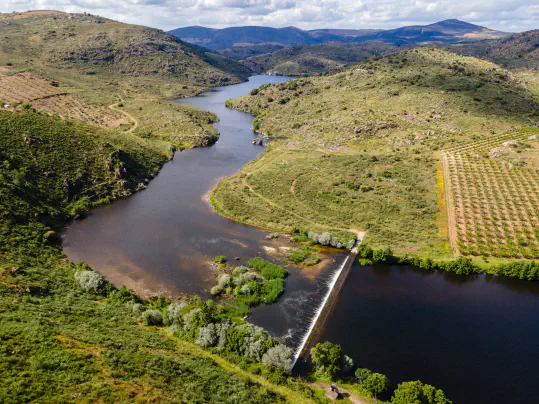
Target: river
(476, 338)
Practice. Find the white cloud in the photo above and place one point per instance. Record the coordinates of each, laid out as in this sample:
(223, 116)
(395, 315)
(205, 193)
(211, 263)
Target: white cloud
(508, 15)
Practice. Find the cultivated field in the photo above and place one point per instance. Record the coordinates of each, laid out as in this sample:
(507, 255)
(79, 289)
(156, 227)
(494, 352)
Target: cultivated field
(45, 94)
(493, 196)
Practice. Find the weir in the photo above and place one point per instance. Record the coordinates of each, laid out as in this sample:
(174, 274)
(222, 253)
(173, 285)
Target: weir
(323, 312)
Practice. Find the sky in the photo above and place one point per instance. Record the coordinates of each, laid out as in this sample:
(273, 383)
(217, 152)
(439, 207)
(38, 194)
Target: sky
(503, 15)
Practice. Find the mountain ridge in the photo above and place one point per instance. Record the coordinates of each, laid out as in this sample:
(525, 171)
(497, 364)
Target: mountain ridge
(451, 30)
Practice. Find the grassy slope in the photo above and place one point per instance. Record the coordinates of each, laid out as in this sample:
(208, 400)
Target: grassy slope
(98, 60)
(360, 147)
(57, 342)
(304, 60)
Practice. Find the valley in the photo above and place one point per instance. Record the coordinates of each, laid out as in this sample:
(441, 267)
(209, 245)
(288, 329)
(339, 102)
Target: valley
(177, 210)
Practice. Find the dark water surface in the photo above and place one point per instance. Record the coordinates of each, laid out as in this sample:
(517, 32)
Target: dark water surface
(476, 338)
(161, 240)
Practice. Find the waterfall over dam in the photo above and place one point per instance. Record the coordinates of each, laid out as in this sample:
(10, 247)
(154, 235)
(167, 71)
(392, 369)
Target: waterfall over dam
(319, 319)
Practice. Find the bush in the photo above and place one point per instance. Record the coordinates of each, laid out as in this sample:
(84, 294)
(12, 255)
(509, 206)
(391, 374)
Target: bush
(271, 290)
(240, 270)
(79, 208)
(268, 271)
(138, 308)
(364, 251)
(173, 314)
(91, 281)
(159, 302)
(221, 259)
(383, 255)
(217, 290)
(279, 356)
(152, 317)
(123, 296)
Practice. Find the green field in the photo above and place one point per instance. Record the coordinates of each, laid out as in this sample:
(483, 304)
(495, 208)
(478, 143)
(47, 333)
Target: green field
(360, 149)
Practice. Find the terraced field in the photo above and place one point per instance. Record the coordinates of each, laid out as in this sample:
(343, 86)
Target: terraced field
(45, 94)
(493, 196)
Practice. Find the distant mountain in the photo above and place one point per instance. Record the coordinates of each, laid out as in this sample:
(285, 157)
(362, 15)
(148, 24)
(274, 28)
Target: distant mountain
(243, 36)
(448, 31)
(515, 51)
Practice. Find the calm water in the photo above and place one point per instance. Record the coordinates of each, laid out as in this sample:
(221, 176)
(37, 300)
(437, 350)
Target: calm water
(475, 338)
(478, 339)
(161, 240)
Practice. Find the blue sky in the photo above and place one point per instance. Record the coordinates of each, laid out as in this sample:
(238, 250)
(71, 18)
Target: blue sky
(504, 15)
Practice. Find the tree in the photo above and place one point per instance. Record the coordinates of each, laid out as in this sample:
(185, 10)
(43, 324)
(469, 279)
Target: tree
(327, 357)
(362, 374)
(418, 393)
(376, 383)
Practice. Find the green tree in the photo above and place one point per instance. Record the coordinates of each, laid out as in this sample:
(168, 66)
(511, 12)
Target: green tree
(327, 357)
(362, 374)
(376, 383)
(418, 393)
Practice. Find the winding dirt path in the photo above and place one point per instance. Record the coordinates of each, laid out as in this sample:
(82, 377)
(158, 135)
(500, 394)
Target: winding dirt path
(114, 107)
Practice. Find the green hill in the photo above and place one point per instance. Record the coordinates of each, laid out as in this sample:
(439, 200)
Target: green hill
(69, 336)
(360, 149)
(315, 59)
(99, 62)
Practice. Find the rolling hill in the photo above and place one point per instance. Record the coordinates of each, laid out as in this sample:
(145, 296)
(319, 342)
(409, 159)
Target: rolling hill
(360, 149)
(515, 51)
(303, 60)
(110, 74)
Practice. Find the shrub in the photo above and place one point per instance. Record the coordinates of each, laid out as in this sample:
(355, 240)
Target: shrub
(383, 255)
(152, 317)
(268, 271)
(51, 237)
(324, 238)
(79, 208)
(173, 314)
(217, 290)
(221, 259)
(271, 290)
(279, 356)
(138, 308)
(240, 270)
(364, 251)
(159, 302)
(189, 319)
(223, 280)
(91, 281)
(123, 296)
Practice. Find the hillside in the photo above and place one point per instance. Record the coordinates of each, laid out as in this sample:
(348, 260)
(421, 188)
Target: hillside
(444, 31)
(360, 149)
(68, 335)
(110, 74)
(315, 59)
(515, 51)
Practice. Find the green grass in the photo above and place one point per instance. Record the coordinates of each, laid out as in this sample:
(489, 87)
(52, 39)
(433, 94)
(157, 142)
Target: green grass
(359, 149)
(58, 343)
(102, 62)
(267, 269)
